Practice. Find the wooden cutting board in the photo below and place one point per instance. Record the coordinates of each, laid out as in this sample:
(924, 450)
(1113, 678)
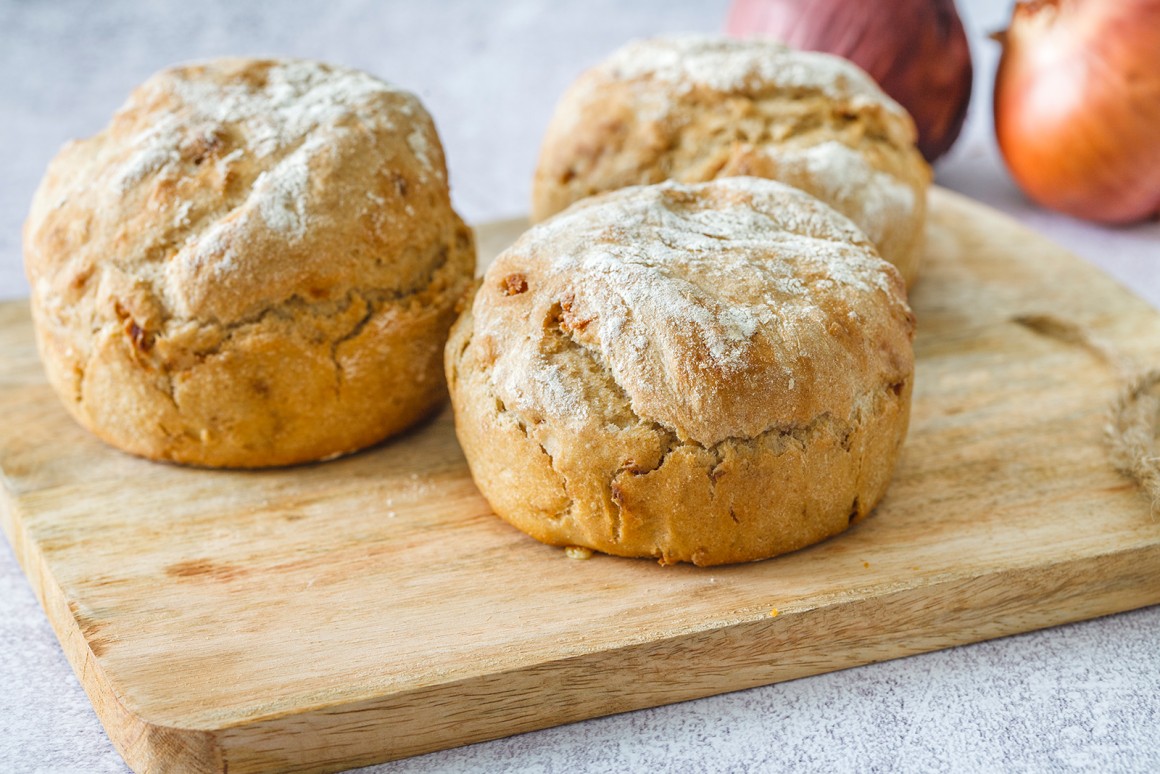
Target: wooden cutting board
(334, 615)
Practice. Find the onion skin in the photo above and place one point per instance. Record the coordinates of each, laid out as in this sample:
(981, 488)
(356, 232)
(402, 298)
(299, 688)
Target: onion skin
(916, 50)
(1077, 106)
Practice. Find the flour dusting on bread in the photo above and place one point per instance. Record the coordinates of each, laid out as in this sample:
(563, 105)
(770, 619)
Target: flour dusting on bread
(727, 64)
(660, 284)
(285, 113)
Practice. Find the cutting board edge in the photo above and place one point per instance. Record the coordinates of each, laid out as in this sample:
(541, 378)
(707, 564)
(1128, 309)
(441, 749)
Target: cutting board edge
(144, 745)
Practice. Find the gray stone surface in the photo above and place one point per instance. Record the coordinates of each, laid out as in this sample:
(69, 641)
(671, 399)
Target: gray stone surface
(1075, 698)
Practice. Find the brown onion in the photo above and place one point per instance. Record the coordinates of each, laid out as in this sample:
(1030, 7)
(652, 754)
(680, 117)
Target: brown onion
(915, 49)
(1077, 106)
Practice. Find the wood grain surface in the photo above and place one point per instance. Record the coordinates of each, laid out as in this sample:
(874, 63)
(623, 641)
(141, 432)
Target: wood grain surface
(333, 615)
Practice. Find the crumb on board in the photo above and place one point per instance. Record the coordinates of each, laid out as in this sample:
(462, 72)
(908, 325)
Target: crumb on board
(866, 565)
(577, 552)
(774, 613)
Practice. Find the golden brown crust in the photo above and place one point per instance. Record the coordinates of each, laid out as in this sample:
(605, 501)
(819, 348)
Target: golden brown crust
(710, 373)
(256, 263)
(694, 109)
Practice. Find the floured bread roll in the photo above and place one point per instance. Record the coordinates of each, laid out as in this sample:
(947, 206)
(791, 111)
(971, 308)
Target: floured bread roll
(256, 263)
(698, 108)
(703, 373)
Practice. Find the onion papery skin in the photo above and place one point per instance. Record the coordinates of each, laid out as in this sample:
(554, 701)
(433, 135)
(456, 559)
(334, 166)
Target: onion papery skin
(916, 50)
(1077, 106)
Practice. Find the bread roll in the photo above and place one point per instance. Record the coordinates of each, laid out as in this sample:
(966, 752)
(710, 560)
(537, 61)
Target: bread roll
(698, 108)
(706, 373)
(256, 263)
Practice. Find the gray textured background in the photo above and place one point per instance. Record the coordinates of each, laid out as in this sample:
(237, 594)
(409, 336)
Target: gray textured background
(1079, 697)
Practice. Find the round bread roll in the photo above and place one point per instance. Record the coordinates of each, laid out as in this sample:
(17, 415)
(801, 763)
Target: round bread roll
(698, 108)
(705, 373)
(256, 263)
